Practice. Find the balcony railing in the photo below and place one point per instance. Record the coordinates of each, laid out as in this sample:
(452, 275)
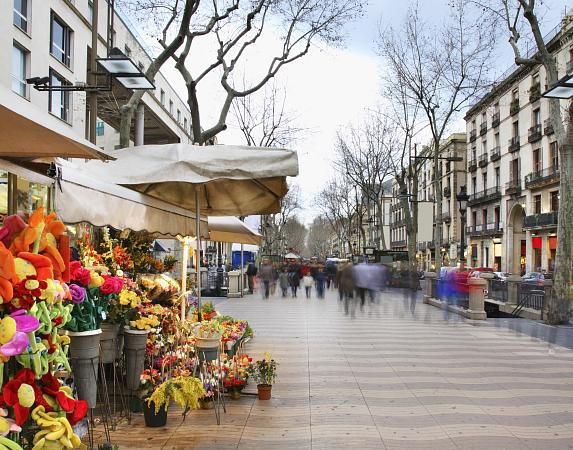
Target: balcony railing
(495, 120)
(534, 92)
(488, 229)
(513, 187)
(534, 133)
(548, 127)
(488, 195)
(542, 178)
(513, 144)
(495, 153)
(482, 162)
(514, 106)
(472, 165)
(541, 220)
(447, 192)
(398, 243)
(483, 128)
(473, 135)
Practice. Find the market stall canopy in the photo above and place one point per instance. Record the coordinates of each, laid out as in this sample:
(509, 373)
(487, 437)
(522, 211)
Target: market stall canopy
(232, 180)
(292, 256)
(26, 131)
(81, 198)
(230, 229)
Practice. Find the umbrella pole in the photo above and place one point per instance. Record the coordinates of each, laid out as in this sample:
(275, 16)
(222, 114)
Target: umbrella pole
(184, 276)
(242, 274)
(198, 266)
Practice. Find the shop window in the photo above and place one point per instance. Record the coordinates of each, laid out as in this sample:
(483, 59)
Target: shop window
(29, 197)
(100, 128)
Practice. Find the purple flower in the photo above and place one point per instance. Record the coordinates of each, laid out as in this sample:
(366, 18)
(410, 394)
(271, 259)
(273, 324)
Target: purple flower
(78, 293)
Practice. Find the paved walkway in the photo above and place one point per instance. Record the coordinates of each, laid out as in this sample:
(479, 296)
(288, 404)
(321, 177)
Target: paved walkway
(385, 379)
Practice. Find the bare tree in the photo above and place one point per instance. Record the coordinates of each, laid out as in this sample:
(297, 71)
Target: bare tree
(363, 155)
(522, 20)
(318, 242)
(264, 119)
(295, 233)
(442, 69)
(273, 225)
(233, 31)
(340, 208)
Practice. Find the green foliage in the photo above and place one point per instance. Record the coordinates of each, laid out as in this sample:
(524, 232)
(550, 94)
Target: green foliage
(263, 371)
(183, 390)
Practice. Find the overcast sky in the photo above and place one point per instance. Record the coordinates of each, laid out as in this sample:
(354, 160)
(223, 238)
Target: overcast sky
(331, 88)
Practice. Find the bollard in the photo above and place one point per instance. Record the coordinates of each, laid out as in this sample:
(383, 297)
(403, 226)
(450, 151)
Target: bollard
(476, 310)
(429, 278)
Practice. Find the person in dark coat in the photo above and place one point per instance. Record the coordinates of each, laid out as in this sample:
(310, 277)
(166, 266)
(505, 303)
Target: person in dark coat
(294, 279)
(251, 274)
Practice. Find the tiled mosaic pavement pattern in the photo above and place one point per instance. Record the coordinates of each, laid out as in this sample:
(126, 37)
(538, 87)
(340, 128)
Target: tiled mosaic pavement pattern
(385, 379)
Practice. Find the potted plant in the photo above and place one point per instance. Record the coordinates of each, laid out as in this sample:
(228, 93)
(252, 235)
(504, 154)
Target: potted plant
(183, 390)
(207, 339)
(208, 311)
(264, 372)
(236, 374)
(149, 381)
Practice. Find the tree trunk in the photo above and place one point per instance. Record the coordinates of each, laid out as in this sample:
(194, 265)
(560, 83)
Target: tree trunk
(381, 219)
(559, 302)
(438, 200)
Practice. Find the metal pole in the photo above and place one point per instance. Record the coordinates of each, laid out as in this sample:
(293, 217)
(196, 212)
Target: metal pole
(184, 276)
(93, 70)
(242, 272)
(462, 237)
(198, 266)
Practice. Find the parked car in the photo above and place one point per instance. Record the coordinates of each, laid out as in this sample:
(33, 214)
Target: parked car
(536, 278)
(502, 276)
(476, 272)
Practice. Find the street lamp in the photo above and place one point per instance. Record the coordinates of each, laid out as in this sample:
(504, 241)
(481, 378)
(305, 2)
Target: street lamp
(462, 199)
(563, 88)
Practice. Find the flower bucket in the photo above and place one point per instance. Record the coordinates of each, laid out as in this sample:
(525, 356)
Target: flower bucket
(264, 391)
(84, 359)
(134, 345)
(207, 404)
(207, 348)
(152, 419)
(109, 343)
(235, 394)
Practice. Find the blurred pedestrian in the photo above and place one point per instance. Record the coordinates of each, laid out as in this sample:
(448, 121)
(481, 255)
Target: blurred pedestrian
(251, 274)
(294, 279)
(283, 281)
(266, 276)
(307, 282)
(320, 280)
(346, 286)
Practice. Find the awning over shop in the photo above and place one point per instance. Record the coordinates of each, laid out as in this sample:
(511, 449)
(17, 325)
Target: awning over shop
(26, 131)
(230, 229)
(80, 198)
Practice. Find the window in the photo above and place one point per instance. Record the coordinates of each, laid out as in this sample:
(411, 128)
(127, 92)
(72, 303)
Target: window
(178, 116)
(61, 37)
(127, 51)
(516, 129)
(474, 185)
(474, 218)
(496, 108)
(484, 180)
(484, 147)
(554, 200)
(515, 94)
(554, 155)
(473, 125)
(497, 177)
(496, 138)
(90, 12)
(140, 65)
(21, 14)
(537, 160)
(484, 217)
(162, 96)
(19, 70)
(99, 128)
(59, 101)
(537, 204)
(185, 123)
(514, 170)
(171, 107)
(536, 118)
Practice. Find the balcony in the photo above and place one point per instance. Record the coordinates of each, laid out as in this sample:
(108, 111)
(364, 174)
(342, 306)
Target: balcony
(473, 135)
(513, 187)
(495, 153)
(447, 192)
(489, 195)
(542, 178)
(472, 165)
(485, 230)
(534, 133)
(483, 128)
(548, 220)
(513, 144)
(397, 223)
(495, 120)
(514, 107)
(398, 243)
(446, 217)
(547, 127)
(483, 159)
(534, 92)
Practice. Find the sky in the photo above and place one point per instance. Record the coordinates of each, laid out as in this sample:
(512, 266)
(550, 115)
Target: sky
(331, 88)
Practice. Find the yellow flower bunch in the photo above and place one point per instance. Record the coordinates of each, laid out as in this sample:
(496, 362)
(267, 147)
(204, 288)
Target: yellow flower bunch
(96, 280)
(129, 298)
(145, 323)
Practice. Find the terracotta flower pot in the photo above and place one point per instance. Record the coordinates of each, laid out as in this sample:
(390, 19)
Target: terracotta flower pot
(264, 391)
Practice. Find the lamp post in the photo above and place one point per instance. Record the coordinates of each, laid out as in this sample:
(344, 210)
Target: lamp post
(462, 199)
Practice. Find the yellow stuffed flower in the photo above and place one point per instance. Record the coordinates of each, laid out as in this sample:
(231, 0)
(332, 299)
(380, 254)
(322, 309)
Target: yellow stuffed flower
(96, 280)
(7, 329)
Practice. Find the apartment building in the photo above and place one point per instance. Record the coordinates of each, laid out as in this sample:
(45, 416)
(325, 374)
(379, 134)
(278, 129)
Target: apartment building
(452, 175)
(52, 38)
(513, 169)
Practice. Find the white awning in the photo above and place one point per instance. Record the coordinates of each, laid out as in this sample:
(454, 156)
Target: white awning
(230, 229)
(83, 199)
(26, 131)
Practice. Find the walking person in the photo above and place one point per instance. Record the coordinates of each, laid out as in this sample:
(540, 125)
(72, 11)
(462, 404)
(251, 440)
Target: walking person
(266, 276)
(347, 285)
(284, 282)
(319, 279)
(294, 279)
(307, 282)
(251, 274)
